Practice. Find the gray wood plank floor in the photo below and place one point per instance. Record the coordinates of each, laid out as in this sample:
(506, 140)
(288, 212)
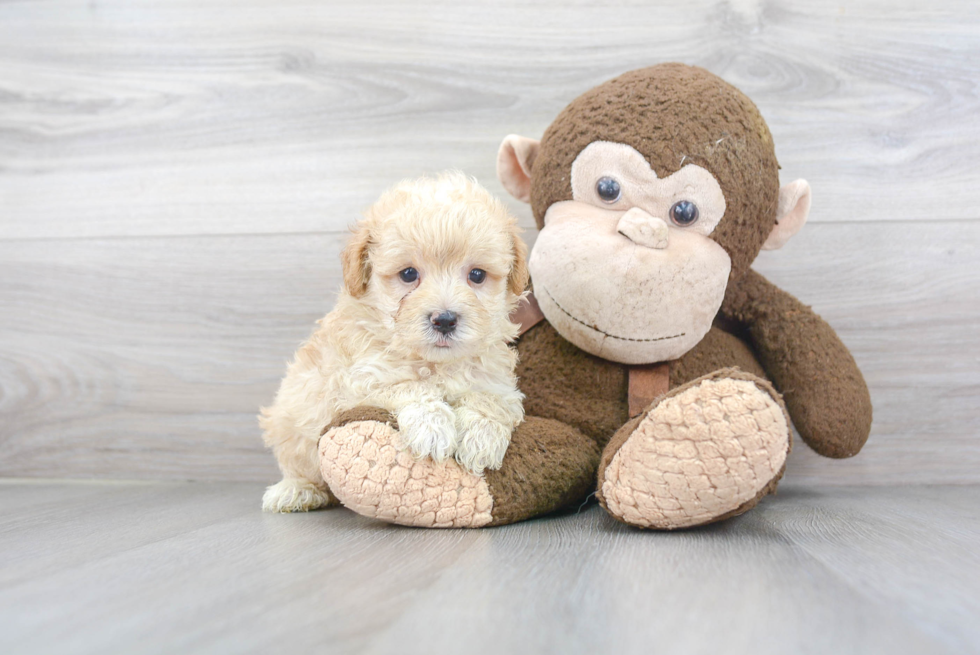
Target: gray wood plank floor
(197, 568)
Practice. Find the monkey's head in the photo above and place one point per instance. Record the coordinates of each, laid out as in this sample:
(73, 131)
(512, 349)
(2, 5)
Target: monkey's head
(653, 192)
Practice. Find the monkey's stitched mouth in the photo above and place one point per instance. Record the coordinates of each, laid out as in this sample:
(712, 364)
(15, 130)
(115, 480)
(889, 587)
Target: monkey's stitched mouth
(595, 329)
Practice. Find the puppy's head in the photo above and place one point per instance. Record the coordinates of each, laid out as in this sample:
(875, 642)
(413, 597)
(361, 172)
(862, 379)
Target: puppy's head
(443, 262)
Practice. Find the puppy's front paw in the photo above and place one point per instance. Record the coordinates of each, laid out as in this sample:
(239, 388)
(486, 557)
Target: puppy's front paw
(428, 429)
(295, 495)
(482, 441)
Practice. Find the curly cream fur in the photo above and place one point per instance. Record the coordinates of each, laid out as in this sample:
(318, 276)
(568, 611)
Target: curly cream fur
(453, 396)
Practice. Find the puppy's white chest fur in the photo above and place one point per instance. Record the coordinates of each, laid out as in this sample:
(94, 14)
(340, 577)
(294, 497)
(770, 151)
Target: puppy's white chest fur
(390, 384)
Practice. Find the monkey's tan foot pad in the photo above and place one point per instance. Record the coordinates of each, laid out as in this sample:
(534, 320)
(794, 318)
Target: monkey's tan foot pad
(711, 450)
(368, 469)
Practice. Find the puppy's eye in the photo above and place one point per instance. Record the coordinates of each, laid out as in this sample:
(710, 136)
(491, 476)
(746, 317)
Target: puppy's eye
(477, 276)
(408, 275)
(608, 189)
(684, 213)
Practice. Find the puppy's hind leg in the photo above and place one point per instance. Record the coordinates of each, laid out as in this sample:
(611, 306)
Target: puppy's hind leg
(296, 495)
(302, 488)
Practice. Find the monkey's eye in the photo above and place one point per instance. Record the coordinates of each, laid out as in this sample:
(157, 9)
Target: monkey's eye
(684, 213)
(608, 189)
(408, 275)
(477, 276)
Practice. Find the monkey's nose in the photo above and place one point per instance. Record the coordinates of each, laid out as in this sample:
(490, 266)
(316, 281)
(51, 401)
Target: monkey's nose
(643, 229)
(444, 322)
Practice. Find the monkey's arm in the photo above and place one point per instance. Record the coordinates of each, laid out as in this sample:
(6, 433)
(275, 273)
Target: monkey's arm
(824, 391)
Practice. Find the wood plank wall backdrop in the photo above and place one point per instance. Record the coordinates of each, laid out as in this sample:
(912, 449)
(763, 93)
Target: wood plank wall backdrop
(176, 178)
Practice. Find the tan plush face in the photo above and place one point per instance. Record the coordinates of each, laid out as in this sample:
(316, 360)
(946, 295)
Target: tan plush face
(622, 275)
(442, 263)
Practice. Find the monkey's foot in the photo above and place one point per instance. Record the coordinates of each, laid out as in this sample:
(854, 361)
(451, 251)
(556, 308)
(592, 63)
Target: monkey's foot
(706, 451)
(548, 466)
(369, 469)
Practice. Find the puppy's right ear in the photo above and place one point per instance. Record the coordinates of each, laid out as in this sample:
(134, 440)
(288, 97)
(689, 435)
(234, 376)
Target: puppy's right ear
(514, 161)
(354, 259)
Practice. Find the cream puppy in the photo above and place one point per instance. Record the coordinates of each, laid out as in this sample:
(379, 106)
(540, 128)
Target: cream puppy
(420, 328)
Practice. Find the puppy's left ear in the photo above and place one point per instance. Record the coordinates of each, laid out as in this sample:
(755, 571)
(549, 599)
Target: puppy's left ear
(354, 259)
(519, 276)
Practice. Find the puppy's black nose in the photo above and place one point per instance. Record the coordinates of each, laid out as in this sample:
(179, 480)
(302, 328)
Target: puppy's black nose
(444, 322)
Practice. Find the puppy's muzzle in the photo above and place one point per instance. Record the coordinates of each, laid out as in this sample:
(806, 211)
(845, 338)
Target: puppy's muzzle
(444, 322)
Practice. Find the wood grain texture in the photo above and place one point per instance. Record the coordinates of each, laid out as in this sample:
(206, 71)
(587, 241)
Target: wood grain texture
(255, 116)
(149, 357)
(175, 179)
(197, 568)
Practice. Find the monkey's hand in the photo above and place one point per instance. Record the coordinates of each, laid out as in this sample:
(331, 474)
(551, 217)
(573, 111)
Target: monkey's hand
(821, 384)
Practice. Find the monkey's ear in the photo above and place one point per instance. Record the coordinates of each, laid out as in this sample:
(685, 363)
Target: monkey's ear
(794, 207)
(514, 161)
(519, 275)
(354, 260)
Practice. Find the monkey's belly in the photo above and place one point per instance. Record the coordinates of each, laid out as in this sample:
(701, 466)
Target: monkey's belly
(718, 349)
(562, 382)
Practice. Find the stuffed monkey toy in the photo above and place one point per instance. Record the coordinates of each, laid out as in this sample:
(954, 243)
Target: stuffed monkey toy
(660, 371)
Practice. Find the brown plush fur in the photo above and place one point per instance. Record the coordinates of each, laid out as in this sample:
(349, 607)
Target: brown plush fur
(719, 349)
(823, 387)
(362, 413)
(562, 382)
(548, 466)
